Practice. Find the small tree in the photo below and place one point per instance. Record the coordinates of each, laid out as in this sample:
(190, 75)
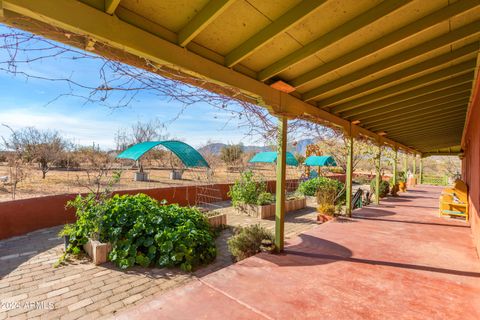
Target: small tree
(231, 154)
(15, 160)
(36, 146)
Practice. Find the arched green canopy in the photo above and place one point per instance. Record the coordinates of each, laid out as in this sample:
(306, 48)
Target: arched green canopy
(271, 157)
(320, 161)
(187, 154)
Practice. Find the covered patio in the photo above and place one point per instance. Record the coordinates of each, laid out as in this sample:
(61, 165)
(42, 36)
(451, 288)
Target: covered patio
(399, 260)
(403, 74)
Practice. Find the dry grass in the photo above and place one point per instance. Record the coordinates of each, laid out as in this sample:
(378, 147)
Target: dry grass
(64, 182)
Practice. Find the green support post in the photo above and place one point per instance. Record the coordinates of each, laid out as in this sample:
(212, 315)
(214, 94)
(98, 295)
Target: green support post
(415, 168)
(421, 170)
(394, 178)
(405, 164)
(378, 178)
(348, 178)
(281, 183)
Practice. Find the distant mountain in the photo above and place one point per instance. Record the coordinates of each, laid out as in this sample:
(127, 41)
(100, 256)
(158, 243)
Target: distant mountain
(300, 147)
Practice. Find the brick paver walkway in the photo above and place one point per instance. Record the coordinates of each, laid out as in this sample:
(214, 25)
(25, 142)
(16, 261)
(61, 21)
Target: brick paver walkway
(30, 287)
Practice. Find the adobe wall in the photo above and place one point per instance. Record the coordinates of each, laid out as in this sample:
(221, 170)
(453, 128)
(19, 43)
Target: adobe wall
(18, 217)
(471, 164)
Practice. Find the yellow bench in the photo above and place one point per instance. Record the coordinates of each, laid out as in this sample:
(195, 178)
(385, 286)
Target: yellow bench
(454, 201)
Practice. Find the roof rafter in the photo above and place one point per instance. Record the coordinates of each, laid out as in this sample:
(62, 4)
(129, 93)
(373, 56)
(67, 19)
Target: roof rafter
(278, 26)
(327, 39)
(111, 6)
(380, 101)
(70, 15)
(419, 109)
(202, 19)
(410, 85)
(394, 60)
(432, 124)
(387, 40)
(425, 120)
(461, 88)
(436, 109)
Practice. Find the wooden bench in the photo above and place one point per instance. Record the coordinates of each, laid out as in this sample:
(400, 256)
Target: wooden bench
(454, 200)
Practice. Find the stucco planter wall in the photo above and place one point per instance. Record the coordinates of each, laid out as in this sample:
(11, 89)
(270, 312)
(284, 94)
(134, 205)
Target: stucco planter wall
(98, 251)
(268, 211)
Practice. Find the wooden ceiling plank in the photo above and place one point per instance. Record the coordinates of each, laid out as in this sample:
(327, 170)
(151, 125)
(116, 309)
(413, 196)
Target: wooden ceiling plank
(388, 40)
(390, 62)
(202, 19)
(290, 18)
(331, 37)
(378, 110)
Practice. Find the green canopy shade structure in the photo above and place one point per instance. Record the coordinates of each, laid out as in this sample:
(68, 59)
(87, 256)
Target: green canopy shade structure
(271, 157)
(320, 161)
(187, 154)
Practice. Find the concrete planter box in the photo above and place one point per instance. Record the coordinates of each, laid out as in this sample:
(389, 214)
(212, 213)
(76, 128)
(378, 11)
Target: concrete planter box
(97, 251)
(176, 174)
(141, 176)
(218, 221)
(268, 210)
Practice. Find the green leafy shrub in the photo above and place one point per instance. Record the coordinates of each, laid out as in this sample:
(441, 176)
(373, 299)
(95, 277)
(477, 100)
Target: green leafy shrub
(145, 232)
(384, 187)
(249, 241)
(312, 186)
(265, 198)
(247, 190)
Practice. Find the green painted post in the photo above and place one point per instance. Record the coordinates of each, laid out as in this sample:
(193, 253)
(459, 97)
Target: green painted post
(348, 178)
(405, 164)
(394, 180)
(378, 178)
(421, 170)
(281, 183)
(415, 168)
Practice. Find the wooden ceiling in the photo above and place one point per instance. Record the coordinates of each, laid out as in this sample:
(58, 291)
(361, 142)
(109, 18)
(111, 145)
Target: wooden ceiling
(403, 67)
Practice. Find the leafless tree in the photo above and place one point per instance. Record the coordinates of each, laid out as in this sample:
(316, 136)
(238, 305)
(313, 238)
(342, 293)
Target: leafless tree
(38, 146)
(15, 160)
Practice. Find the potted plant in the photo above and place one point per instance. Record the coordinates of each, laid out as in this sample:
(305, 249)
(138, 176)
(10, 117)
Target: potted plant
(326, 202)
(402, 181)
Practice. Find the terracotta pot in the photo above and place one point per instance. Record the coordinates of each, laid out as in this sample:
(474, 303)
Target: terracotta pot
(321, 217)
(402, 186)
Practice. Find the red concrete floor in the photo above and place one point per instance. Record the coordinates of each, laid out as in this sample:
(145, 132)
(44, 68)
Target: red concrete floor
(396, 261)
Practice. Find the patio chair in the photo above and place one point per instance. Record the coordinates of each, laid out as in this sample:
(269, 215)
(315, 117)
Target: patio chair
(357, 199)
(454, 201)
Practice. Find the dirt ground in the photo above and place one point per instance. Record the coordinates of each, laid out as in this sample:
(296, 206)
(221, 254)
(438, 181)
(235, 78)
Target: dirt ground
(63, 181)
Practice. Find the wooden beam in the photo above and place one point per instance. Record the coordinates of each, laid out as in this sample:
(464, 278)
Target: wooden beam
(410, 85)
(111, 6)
(419, 109)
(367, 49)
(280, 194)
(331, 37)
(392, 61)
(429, 132)
(75, 17)
(375, 111)
(202, 19)
(278, 26)
(379, 102)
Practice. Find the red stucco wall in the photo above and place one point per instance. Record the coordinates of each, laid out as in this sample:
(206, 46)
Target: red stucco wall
(471, 163)
(22, 216)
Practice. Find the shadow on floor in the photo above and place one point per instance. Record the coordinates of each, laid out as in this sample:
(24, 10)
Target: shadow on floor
(316, 251)
(412, 222)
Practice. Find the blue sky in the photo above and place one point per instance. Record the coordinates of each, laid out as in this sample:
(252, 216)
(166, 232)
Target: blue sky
(28, 102)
